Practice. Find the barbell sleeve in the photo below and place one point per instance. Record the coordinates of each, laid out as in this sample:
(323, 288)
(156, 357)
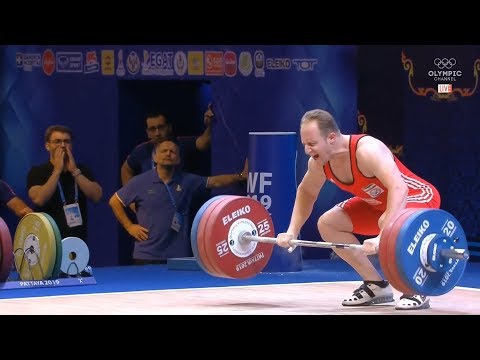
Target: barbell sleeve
(461, 254)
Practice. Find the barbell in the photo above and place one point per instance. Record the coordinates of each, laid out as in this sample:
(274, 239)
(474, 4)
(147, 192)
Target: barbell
(424, 251)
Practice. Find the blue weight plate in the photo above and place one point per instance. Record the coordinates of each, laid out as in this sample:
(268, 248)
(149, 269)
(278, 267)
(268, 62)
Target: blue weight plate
(194, 232)
(75, 255)
(409, 240)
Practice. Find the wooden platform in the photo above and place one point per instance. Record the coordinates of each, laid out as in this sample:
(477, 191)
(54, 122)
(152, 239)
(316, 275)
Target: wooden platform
(321, 298)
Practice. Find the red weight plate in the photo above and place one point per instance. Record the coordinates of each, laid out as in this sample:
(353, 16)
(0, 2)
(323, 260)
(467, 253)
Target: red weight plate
(382, 255)
(211, 269)
(396, 278)
(200, 240)
(204, 236)
(400, 282)
(6, 251)
(389, 246)
(382, 252)
(232, 217)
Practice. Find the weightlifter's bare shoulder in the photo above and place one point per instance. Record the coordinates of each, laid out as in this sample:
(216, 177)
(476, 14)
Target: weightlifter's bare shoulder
(372, 154)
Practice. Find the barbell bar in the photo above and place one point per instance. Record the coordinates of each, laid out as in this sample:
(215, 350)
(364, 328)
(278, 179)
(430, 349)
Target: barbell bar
(461, 254)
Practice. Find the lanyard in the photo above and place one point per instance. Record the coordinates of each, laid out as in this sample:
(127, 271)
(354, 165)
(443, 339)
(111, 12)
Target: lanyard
(62, 194)
(172, 199)
(153, 154)
(171, 196)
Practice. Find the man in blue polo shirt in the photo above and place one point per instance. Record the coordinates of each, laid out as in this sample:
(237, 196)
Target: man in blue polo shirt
(162, 198)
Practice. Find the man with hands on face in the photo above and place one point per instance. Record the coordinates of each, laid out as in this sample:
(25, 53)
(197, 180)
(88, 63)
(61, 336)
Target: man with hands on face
(60, 187)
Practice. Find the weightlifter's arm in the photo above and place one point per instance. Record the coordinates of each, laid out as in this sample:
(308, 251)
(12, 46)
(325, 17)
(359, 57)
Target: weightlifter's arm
(381, 164)
(307, 193)
(377, 159)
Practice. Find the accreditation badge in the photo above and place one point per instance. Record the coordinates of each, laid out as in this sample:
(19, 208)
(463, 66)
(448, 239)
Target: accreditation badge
(177, 221)
(73, 215)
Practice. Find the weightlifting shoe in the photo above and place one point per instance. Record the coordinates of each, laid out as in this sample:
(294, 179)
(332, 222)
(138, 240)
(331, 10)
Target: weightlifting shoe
(413, 302)
(370, 293)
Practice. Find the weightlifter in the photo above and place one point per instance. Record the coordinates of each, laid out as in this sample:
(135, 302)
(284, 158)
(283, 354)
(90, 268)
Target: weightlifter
(382, 186)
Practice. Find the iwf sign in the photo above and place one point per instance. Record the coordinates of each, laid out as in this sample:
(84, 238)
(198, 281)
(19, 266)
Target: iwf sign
(272, 181)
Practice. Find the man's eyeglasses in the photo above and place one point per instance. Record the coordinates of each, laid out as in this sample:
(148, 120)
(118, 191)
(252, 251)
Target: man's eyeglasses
(158, 127)
(59, 141)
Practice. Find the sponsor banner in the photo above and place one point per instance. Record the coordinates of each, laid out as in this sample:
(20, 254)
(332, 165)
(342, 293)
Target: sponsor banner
(88, 88)
(138, 62)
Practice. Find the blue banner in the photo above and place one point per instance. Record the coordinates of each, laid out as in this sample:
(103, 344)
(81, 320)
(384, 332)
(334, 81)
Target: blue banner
(104, 92)
(272, 181)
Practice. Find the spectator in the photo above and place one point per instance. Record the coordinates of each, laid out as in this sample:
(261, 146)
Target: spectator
(162, 197)
(60, 187)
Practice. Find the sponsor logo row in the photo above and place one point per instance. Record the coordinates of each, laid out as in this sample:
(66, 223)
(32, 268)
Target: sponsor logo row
(161, 63)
